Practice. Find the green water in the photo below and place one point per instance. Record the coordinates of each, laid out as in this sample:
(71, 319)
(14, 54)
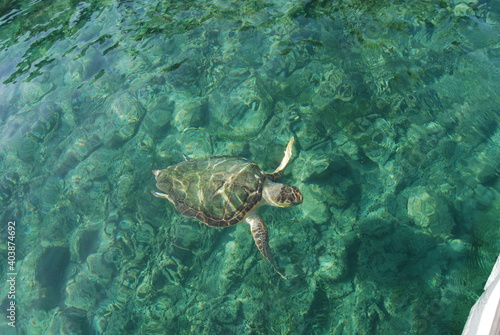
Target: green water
(394, 106)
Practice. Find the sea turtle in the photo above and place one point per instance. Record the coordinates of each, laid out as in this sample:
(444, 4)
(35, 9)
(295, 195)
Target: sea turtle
(221, 191)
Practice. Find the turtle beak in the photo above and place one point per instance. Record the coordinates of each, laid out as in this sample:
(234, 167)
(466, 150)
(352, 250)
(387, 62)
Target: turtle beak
(156, 173)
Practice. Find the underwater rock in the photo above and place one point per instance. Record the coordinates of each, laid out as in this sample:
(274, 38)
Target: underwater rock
(344, 192)
(332, 85)
(52, 262)
(48, 115)
(142, 148)
(487, 164)
(462, 9)
(13, 131)
(267, 147)
(26, 149)
(7, 185)
(394, 177)
(159, 116)
(51, 191)
(80, 148)
(86, 243)
(454, 248)
(283, 61)
(315, 206)
(468, 2)
(397, 256)
(350, 148)
(123, 118)
(195, 143)
(485, 196)
(84, 189)
(168, 151)
(98, 163)
(49, 273)
(331, 172)
(69, 321)
(235, 148)
(378, 141)
(296, 85)
(240, 109)
(184, 76)
(186, 235)
(81, 291)
(309, 132)
(25, 131)
(232, 264)
(229, 311)
(144, 290)
(377, 224)
(73, 73)
(333, 263)
(124, 189)
(310, 165)
(31, 92)
(188, 113)
(158, 121)
(429, 212)
(102, 319)
(192, 142)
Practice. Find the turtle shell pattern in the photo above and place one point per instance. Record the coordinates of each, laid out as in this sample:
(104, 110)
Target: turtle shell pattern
(219, 191)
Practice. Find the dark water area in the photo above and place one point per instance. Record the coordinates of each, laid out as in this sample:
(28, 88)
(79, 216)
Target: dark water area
(394, 108)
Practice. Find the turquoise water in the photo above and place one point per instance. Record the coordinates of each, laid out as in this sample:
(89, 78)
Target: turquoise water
(394, 106)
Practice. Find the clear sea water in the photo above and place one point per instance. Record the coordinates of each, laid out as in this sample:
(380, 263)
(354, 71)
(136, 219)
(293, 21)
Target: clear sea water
(394, 106)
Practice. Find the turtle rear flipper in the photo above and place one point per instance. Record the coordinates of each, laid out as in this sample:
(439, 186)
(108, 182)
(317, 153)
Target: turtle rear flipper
(259, 232)
(162, 195)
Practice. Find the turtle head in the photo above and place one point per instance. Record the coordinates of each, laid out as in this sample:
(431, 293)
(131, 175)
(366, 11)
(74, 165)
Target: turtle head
(289, 196)
(281, 195)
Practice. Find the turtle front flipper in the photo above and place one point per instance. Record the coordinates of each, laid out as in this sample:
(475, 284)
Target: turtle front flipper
(259, 232)
(276, 175)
